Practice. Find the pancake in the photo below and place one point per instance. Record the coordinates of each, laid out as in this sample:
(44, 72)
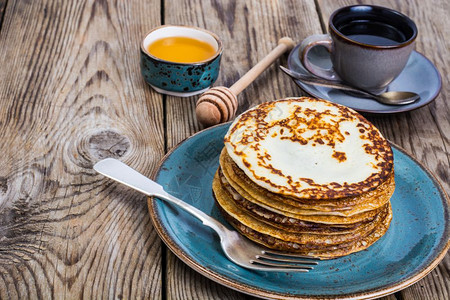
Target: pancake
(315, 245)
(307, 176)
(225, 201)
(323, 253)
(309, 148)
(337, 221)
(284, 221)
(366, 202)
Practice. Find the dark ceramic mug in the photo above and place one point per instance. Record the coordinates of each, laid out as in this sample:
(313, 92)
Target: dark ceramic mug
(369, 46)
(180, 79)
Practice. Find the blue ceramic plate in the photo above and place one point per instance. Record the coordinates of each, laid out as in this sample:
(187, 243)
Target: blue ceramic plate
(414, 244)
(419, 75)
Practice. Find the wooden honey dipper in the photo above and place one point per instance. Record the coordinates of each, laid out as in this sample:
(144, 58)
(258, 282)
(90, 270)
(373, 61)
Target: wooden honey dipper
(219, 104)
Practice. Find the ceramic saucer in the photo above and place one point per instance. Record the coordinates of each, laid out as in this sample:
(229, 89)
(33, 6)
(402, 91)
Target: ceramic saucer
(419, 75)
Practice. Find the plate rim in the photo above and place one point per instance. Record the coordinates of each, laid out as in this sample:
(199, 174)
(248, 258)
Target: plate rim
(306, 88)
(259, 292)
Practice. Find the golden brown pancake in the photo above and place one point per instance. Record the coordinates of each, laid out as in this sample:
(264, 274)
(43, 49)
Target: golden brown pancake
(309, 148)
(367, 201)
(306, 175)
(324, 252)
(315, 240)
(283, 221)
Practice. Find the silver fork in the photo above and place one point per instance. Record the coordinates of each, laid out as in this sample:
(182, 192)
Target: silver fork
(237, 248)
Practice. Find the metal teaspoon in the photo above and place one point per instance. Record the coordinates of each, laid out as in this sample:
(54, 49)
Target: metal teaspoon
(389, 98)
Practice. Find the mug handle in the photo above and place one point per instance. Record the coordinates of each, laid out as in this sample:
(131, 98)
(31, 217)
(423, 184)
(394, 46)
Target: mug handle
(311, 42)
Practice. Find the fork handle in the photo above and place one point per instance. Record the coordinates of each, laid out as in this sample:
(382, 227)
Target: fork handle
(126, 175)
(206, 220)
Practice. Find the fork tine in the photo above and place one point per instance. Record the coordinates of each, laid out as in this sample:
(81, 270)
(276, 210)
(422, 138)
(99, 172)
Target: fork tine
(292, 255)
(282, 266)
(295, 261)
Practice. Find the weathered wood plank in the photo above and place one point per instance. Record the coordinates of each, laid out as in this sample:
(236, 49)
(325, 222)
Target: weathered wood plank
(424, 133)
(249, 30)
(434, 286)
(2, 10)
(72, 94)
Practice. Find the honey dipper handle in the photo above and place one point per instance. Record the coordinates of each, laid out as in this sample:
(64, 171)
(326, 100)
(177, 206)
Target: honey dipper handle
(284, 44)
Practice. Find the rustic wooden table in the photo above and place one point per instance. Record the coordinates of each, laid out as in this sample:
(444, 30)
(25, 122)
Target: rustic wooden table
(71, 93)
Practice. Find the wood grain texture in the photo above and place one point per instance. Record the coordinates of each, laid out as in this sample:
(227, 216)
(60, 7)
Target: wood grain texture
(71, 94)
(425, 132)
(2, 10)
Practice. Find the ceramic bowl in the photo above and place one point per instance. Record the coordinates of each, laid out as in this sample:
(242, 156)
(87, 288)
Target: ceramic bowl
(180, 79)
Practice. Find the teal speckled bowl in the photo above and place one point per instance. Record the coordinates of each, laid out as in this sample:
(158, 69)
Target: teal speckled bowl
(415, 243)
(180, 79)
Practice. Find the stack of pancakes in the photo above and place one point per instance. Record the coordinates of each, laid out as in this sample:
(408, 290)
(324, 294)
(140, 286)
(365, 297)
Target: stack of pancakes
(306, 175)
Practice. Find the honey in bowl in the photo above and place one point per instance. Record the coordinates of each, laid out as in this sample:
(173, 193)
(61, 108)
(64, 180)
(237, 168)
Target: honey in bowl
(181, 49)
(179, 60)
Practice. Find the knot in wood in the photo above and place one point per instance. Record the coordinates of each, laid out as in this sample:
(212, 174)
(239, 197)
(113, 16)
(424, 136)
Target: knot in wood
(107, 143)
